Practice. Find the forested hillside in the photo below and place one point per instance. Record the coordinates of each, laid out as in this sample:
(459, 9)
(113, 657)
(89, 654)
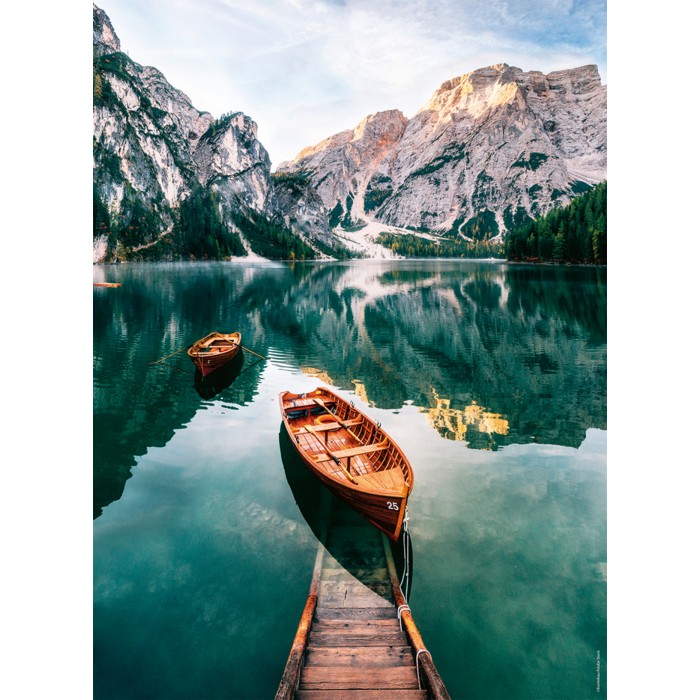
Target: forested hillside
(576, 233)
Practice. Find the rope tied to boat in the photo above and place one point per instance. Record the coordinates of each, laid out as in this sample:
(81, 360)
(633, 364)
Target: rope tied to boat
(398, 614)
(406, 541)
(418, 653)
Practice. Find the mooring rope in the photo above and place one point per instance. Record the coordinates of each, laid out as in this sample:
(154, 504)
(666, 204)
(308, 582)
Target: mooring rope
(406, 557)
(398, 614)
(418, 653)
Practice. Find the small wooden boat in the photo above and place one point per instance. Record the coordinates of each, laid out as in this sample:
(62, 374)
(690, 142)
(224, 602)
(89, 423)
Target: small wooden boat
(106, 284)
(214, 351)
(351, 455)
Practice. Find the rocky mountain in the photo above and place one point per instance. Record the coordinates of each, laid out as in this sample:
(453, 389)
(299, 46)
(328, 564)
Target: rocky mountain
(172, 181)
(488, 149)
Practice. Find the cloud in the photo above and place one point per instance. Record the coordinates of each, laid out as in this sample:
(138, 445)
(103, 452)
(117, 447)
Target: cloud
(305, 69)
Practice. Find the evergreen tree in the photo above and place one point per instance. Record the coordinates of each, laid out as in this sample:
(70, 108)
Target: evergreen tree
(576, 233)
(559, 247)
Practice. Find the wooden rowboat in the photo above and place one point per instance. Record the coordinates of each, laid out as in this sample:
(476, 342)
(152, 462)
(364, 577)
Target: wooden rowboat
(214, 351)
(351, 455)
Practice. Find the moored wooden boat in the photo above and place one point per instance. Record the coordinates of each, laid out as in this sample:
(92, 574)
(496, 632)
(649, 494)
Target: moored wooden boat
(214, 351)
(351, 455)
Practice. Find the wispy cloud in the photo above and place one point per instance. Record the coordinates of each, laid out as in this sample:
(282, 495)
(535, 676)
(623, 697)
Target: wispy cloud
(304, 69)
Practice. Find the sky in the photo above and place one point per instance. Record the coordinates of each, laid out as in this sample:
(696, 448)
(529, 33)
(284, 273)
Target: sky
(307, 69)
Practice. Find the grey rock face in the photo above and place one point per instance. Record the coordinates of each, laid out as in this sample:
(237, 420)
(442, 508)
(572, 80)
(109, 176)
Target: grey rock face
(301, 209)
(151, 147)
(489, 148)
(104, 38)
(341, 167)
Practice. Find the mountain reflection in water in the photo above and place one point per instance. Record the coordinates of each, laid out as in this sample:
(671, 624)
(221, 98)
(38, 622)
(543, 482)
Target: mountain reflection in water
(493, 354)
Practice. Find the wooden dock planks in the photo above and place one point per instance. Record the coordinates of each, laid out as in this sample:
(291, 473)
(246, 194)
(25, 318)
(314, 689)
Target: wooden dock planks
(355, 647)
(362, 652)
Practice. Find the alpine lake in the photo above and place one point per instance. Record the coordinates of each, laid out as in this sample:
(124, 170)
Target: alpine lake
(490, 376)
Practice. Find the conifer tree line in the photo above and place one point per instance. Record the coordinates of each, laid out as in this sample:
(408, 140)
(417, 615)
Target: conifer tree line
(200, 232)
(411, 246)
(270, 239)
(576, 233)
(223, 120)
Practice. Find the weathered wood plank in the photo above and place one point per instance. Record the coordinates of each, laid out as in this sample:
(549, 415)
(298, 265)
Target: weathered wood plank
(356, 589)
(356, 624)
(341, 601)
(350, 582)
(335, 613)
(362, 694)
(358, 629)
(340, 677)
(360, 657)
(356, 598)
(362, 575)
(341, 639)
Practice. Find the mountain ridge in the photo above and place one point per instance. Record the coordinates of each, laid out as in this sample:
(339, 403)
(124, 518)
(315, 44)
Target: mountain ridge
(467, 162)
(487, 151)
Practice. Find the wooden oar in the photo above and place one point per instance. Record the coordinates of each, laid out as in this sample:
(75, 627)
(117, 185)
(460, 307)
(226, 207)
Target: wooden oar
(254, 353)
(170, 355)
(262, 357)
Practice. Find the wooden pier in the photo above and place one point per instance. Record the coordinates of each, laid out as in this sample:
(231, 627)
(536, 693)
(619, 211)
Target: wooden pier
(350, 643)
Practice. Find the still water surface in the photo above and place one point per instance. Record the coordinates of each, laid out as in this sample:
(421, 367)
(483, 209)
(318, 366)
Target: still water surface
(491, 377)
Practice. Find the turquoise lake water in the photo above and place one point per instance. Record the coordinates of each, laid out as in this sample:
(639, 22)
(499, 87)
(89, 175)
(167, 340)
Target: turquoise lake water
(491, 377)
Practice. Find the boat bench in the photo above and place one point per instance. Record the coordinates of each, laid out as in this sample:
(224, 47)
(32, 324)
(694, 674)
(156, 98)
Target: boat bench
(328, 426)
(324, 427)
(352, 421)
(353, 451)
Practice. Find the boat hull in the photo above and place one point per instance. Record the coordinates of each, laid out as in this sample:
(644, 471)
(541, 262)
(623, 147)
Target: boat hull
(385, 508)
(385, 511)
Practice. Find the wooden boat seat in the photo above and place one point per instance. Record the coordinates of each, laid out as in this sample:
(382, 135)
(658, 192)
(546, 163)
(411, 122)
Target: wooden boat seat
(320, 428)
(361, 450)
(352, 421)
(301, 402)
